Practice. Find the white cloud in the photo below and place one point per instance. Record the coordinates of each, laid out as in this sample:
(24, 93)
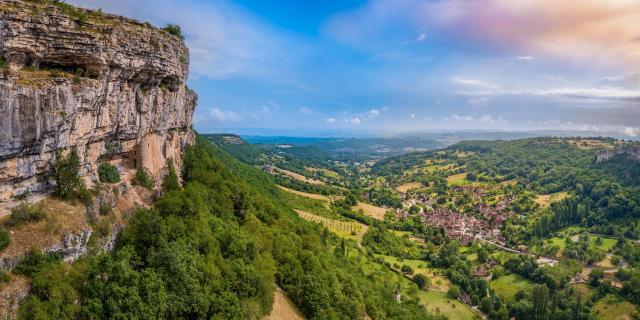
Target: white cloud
(330, 120)
(355, 121)
(478, 102)
(631, 131)
(306, 111)
(372, 113)
(220, 115)
(421, 37)
(526, 58)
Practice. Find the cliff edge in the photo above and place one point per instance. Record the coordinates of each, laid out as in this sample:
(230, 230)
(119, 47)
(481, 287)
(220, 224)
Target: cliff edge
(112, 87)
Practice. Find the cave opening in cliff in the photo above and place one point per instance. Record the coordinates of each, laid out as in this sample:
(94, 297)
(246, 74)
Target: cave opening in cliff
(81, 70)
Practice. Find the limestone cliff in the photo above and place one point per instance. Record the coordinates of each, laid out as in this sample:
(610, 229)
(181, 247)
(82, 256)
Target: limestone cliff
(631, 152)
(112, 87)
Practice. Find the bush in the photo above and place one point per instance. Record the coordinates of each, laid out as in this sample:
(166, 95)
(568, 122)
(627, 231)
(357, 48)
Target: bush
(24, 213)
(174, 29)
(406, 269)
(422, 281)
(5, 239)
(143, 179)
(35, 261)
(64, 171)
(108, 173)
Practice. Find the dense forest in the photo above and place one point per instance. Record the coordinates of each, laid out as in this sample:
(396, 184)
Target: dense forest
(213, 249)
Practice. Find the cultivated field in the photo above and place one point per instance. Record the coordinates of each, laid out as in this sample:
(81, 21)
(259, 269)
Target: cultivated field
(371, 210)
(408, 186)
(457, 179)
(299, 177)
(306, 194)
(345, 229)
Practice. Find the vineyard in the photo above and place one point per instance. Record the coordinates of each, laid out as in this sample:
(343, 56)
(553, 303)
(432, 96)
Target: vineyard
(346, 229)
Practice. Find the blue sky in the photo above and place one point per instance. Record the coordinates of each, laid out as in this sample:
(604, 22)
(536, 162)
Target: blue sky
(394, 66)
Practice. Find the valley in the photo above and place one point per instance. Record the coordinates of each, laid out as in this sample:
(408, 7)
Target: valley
(503, 217)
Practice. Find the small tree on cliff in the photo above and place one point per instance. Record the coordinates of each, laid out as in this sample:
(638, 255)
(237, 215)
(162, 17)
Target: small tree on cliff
(64, 171)
(170, 181)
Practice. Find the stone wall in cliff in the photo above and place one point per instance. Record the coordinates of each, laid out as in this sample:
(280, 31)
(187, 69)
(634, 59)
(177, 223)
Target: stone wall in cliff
(112, 87)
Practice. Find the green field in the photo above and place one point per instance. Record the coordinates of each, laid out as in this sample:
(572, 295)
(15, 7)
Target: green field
(507, 286)
(457, 179)
(613, 308)
(441, 303)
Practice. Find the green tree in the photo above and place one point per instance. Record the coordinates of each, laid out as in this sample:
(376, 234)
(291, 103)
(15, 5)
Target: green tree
(170, 181)
(65, 173)
(540, 302)
(422, 281)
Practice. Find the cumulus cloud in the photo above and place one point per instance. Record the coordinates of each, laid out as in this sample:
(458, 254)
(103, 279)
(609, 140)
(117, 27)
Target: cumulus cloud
(220, 115)
(355, 121)
(330, 120)
(631, 131)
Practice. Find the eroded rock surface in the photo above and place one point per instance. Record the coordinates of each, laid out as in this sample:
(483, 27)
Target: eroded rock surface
(112, 87)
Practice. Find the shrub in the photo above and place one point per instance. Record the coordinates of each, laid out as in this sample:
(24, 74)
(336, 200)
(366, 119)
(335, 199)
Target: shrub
(35, 261)
(64, 170)
(170, 181)
(104, 208)
(406, 269)
(5, 239)
(108, 173)
(3, 64)
(173, 29)
(422, 281)
(24, 213)
(143, 179)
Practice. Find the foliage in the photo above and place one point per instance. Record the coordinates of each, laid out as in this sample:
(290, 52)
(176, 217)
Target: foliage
(143, 178)
(108, 173)
(25, 213)
(170, 182)
(68, 184)
(5, 239)
(218, 246)
(174, 29)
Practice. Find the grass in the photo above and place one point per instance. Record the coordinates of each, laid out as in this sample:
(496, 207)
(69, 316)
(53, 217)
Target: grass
(325, 172)
(314, 206)
(584, 290)
(546, 199)
(345, 229)
(371, 210)
(457, 179)
(613, 308)
(439, 282)
(441, 303)
(299, 177)
(507, 286)
(408, 186)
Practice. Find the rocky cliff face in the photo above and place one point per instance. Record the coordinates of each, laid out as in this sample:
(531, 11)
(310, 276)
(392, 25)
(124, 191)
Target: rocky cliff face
(632, 153)
(112, 87)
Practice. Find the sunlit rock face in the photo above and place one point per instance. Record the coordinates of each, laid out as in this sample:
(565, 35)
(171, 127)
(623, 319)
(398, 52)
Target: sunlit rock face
(632, 153)
(112, 87)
